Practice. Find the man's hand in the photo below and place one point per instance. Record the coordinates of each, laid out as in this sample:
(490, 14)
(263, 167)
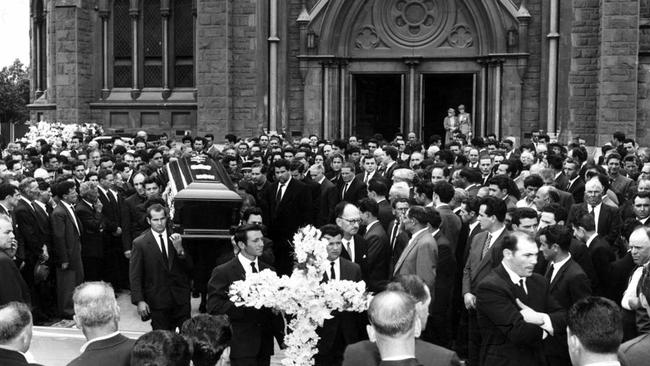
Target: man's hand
(127, 254)
(530, 315)
(143, 309)
(64, 265)
(470, 301)
(177, 242)
(98, 207)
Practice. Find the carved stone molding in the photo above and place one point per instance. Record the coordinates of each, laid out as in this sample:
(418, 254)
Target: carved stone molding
(366, 38)
(460, 36)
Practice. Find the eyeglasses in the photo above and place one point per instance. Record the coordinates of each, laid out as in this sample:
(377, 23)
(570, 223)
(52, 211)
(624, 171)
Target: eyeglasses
(351, 221)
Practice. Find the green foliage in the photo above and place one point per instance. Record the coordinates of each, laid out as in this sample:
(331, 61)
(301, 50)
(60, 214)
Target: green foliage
(14, 93)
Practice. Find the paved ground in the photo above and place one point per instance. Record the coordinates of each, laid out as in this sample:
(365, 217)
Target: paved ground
(56, 346)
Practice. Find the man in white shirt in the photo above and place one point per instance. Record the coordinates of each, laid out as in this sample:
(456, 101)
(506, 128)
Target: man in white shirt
(15, 334)
(640, 250)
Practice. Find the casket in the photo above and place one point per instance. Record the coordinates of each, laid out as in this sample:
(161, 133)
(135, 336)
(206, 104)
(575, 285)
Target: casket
(205, 203)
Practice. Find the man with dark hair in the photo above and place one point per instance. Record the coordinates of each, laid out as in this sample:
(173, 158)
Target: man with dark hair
(531, 184)
(116, 265)
(13, 287)
(286, 205)
(15, 334)
(378, 190)
(66, 240)
(499, 186)
(621, 185)
(159, 273)
(389, 163)
(161, 348)
(516, 313)
(398, 237)
(378, 257)
(484, 254)
(342, 329)
(133, 217)
(9, 196)
(443, 192)
(524, 219)
(420, 257)
(208, 337)
(366, 353)
(602, 255)
(470, 181)
(576, 184)
(351, 189)
(97, 314)
(89, 212)
(594, 332)
(252, 329)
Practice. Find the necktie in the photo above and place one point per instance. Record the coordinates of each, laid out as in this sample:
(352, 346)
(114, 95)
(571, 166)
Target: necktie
(549, 273)
(333, 276)
(365, 179)
(486, 245)
(111, 199)
(348, 249)
(345, 189)
(521, 284)
(591, 208)
(278, 195)
(254, 268)
(393, 235)
(163, 249)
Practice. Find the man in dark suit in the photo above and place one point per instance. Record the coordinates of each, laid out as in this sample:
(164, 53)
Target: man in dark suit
(9, 196)
(159, 273)
(485, 254)
(89, 212)
(609, 221)
(636, 352)
(116, 266)
(420, 257)
(13, 286)
(397, 235)
(378, 190)
(66, 240)
(443, 192)
(328, 195)
(601, 253)
(286, 206)
(366, 353)
(355, 247)
(97, 315)
(378, 257)
(342, 329)
(622, 186)
(389, 164)
(516, 313)
(298, 173)
(351, 189)
(133, 217)
(252, 329)
(575, 185)
(15, 334)
(568, 282)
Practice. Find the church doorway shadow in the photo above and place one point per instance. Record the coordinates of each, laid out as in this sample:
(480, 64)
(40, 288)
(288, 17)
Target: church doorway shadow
(441, 92)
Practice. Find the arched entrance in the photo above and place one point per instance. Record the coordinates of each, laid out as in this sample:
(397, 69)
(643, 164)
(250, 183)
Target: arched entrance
(398, 65)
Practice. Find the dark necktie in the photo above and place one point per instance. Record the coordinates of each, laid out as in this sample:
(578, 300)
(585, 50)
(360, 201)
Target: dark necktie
(365, 179)
(333, 276)
(549, 273)
(345, 190)
(253, 267)
(486, 245)
(278, 195)
(393, 235)
(111, 199)
(163, 249)
(523, 288)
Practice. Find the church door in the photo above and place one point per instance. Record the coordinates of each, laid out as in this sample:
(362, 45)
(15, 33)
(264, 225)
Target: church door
(441, 92)
(377, 101)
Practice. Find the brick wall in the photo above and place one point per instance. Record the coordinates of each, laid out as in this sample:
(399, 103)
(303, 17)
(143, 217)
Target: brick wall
(295, 92)
(583, 75)
(531, 81)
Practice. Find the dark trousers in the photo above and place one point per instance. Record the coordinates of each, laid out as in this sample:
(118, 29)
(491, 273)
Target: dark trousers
(473, 339)
(93, 268)
(251, 361)
(66, 281)
(170, 318)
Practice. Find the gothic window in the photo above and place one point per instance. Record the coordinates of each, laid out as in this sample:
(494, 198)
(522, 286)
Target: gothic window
(164, 34)
(40, 47)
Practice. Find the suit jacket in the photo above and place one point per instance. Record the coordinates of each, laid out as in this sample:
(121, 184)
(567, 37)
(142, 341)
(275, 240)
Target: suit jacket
(602, 257)
(609, 221)
(378, 257)
(476, 268)
(388, 174)
(252, 329)
(92, 242)
(356, 192)
(420, 257)
(562, 181)
(328, 199)
(314, 190)
(385, 215)
(450, 225)
(343, 324)
(577, 189)
(636, 352)
(133, 219)
(285, 217)
(366, 353)
(66, 239)
(624, 187)
(110, 212)
(445, 276)
(398, 241)
(113, 351)
(570, 284)
(13, 358)
(566, 198)
(161, 285)
(13, 286)
(29, 234)
(506, 338)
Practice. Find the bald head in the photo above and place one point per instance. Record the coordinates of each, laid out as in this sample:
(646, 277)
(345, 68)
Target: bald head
(392, 314)
(95, 306)
(15, 326)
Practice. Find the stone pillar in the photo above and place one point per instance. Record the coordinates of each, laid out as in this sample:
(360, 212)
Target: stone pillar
(212, 60)
(619, 50)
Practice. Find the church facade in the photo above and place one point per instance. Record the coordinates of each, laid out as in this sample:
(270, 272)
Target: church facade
(341, 67)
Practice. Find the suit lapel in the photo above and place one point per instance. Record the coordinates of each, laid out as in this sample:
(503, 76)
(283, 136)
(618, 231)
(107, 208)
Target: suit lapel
(73, 219)
(408, 249)
(560, 273)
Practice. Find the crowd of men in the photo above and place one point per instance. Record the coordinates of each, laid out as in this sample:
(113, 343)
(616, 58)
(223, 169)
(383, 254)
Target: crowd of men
(505, 239)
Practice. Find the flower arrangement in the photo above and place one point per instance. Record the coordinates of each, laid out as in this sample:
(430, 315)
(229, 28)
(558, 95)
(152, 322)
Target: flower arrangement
(302, 295)
(54, 133)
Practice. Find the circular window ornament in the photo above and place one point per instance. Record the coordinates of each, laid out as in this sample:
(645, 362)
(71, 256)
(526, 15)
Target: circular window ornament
(415, 23)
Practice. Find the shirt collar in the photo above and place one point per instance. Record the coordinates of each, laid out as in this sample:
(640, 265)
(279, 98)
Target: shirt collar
(67, 205)
(88, 203)
(85, 345)
(515, 278)
(497, 233)
(5, 207)
(105, 191)
(473, 225)
(435, 232)
(156, 235)
(644, 220)
(370, 225)
(246, 263)
(558, 265)
(321, 180)
(591, 238)
(41, 204)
